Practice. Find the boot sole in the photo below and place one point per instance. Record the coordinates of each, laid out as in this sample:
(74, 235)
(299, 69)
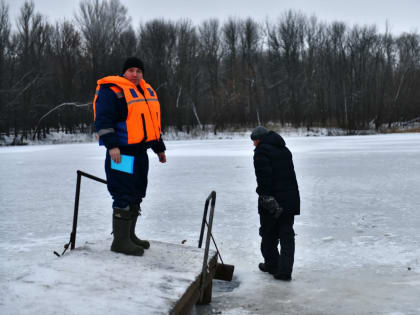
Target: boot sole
(282, 277)
(271, 272)
(121, 251)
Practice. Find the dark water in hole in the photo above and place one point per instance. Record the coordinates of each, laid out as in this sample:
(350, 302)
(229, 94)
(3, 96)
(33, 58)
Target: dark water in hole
(225, 286)
(220, 288)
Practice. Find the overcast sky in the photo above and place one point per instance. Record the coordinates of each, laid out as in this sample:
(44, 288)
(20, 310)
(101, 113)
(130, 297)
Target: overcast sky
(403, 15)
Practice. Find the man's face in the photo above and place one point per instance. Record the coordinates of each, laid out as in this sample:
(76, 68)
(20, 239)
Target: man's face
(134, 75)
(256, 142)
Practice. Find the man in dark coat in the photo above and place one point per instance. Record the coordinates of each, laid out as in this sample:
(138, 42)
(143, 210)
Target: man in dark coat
(278, 202)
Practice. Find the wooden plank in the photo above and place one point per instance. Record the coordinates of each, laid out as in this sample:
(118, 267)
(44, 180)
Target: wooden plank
(192, 294)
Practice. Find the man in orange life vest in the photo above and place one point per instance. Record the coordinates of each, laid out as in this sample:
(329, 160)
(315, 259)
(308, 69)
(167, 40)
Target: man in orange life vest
(128, 122)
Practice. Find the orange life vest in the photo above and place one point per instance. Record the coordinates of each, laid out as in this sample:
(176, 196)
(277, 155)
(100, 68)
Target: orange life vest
(143, 122)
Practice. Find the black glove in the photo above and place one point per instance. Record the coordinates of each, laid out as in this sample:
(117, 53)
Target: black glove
(270, 204)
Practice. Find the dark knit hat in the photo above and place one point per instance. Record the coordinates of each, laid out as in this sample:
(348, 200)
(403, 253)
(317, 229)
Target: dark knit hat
(131, 62)
(258, 133)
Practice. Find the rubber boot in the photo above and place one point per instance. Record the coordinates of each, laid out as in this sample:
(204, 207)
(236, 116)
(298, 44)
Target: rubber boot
(121, 224)
(135, 212)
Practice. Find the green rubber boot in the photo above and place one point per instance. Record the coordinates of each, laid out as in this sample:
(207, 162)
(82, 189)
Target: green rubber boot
(121, 224)
(135, 212)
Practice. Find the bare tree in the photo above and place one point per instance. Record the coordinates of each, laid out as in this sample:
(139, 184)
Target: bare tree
(157, 42)
(336, 77)
(294, 71)
(386, 78)
(407, 79)
(4, 43)
(210, 59)
(186, 73)
(286, 42)
(65, 48)
(101, 24)
(250, 52)
(65, 57)
(233, 99)
(313, 98)
(360, 43)
(32, 41)
(127, 44)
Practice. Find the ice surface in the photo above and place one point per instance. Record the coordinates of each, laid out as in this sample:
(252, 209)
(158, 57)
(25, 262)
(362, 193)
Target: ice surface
(93, 280)
(357, 243)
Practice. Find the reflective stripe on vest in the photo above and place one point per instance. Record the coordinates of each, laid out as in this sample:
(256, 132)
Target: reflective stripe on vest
(143, 120)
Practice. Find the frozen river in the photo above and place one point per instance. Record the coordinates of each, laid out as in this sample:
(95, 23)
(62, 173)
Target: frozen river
(357, 243)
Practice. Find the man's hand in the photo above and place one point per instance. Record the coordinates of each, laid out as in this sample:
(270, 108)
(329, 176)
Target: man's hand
(162, 157)
(115, 155)
(270, 204)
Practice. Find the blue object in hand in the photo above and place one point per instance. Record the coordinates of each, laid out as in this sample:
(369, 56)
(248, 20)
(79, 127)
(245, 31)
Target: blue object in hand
(126, 165)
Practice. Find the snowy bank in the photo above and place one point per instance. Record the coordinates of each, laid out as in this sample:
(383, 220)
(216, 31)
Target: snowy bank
(93, 280)
(172, 133)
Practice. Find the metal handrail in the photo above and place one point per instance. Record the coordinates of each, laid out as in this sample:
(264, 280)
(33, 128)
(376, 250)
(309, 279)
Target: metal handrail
(72, 242)
(211, 197)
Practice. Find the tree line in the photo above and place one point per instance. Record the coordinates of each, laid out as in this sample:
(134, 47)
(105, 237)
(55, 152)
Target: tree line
(241, 72)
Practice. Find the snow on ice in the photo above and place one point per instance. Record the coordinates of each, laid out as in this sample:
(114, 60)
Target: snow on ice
(94, 280)
(357, 243)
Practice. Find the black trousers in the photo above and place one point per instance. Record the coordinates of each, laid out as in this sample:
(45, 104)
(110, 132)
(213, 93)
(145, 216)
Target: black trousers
(125, 188)
(272, 231)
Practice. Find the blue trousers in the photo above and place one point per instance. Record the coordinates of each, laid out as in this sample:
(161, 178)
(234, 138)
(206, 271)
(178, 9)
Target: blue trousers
(127, 189)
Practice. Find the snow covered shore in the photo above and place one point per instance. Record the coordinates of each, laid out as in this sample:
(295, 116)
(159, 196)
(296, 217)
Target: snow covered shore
(196, 134)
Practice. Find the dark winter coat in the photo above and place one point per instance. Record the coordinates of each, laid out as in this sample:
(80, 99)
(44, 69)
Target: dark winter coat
(275, 172)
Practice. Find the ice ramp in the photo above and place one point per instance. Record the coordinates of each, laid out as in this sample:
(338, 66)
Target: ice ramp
(93, 280)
